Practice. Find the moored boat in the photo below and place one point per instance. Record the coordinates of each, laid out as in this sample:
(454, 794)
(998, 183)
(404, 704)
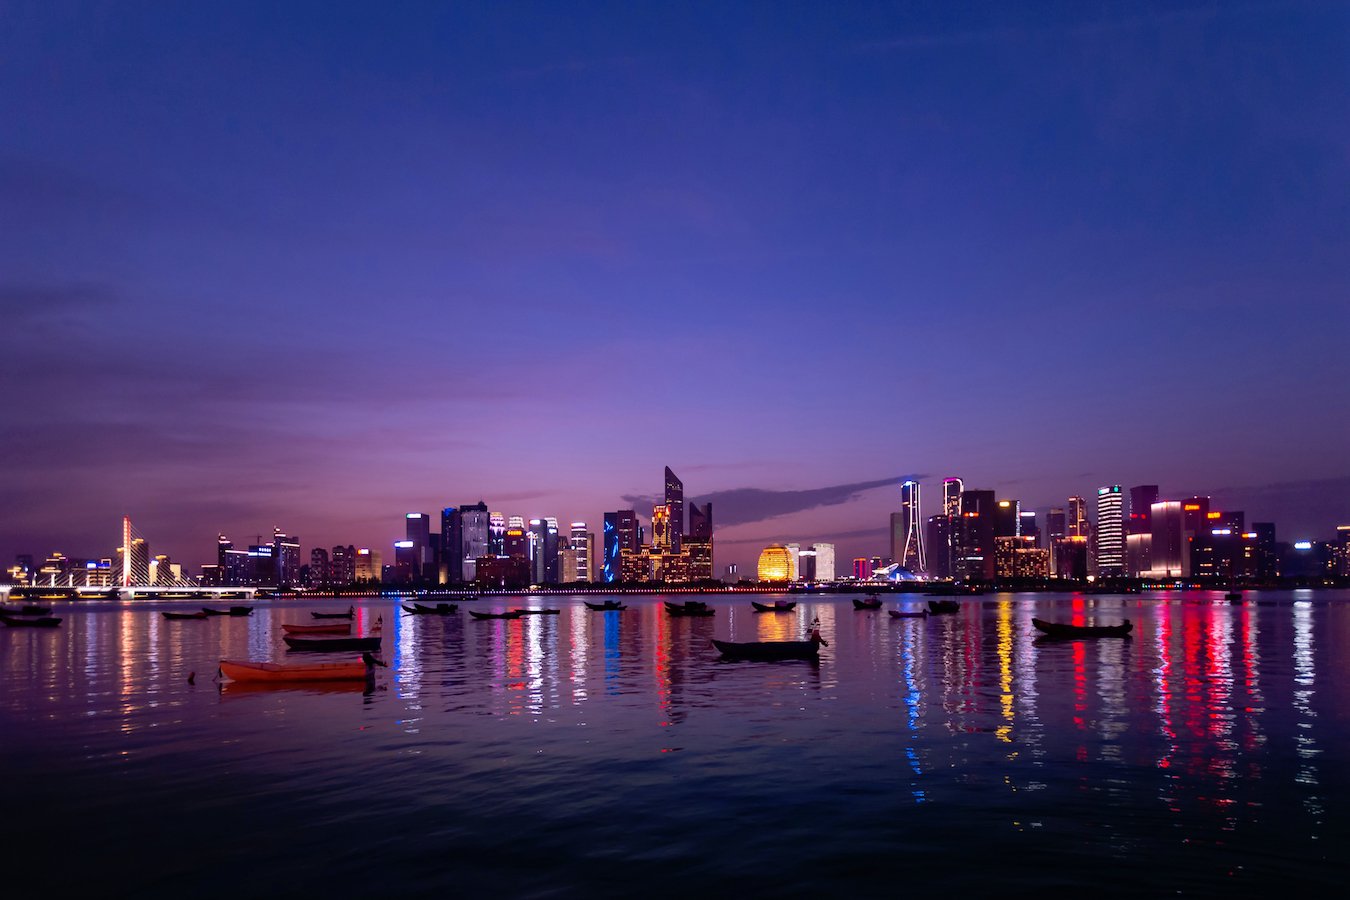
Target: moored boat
(538, 612)
(232, 611)
(772, 650)
(349, 614)
(689, 608)
(1062, 630)
(330, 642)
(440, 609)
(30, 621)
(199, 614)
(28, 609)
(606, 606)
(907, 614)
(869, 603)
(247, 670)
(509, 614)
(335, 628)
(776, 606)
(943, 607)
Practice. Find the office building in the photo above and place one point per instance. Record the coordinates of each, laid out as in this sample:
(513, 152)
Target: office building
(700, 521)
(581, 542)
(620, 541)
(939, 544)
(369, 566)
(862, 568)
(452, 546)
(1142, 498)
(1110, 531)
(496, 534)
(975, 536)
(342, 565)
(951, 496)
(475, 535)
(1166, 540)
(661, 527)
(1078, 520)
(1071, 558)
(824, 561)
(1007, 518)
(675, 511)
(318, 568)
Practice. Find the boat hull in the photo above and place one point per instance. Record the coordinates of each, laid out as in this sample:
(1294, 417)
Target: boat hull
(191, 615)
(897, 614)
(34, 622)
(239, 670)
(318, 629)
(867, 604)
(774, 607)
(1060, 630)
(324, 642)
(604, 607)
(769, 651)
(513, 614)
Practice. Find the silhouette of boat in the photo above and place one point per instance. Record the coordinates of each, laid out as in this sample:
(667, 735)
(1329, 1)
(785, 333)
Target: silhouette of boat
(1061, 630)
(869, 603)
(330, 642)
(776, 606)
(199, 614)
(30, 621)
(606, 606)
(440, 609)
(769, 651)
(907, 614)
(232, 611)
(509, 614)
(349, 614)
(943, 607)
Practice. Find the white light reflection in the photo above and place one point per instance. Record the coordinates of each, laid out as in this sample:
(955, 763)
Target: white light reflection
(1305, 674)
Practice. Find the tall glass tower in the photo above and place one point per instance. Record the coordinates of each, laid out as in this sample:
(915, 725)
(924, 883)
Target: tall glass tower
(1110, 531)
(674, 510)
(910, 554)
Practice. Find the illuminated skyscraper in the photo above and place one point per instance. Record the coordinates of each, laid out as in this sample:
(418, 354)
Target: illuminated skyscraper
(475, 537)
(951, 496)
(1007, 518)
(1078, 521)
(581, 542)
(700, 520)
(342, 565)
(1110, 531)
(675, 510)
(368, 566)
(910, 553)
(1166, 540)
(496, 534)
(824, 561)
(974, 536)
(620, 540)
(661, 528)
(419, 532)
(452, 545)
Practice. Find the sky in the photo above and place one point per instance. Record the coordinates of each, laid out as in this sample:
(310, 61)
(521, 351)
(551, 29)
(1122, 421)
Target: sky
(316, 265)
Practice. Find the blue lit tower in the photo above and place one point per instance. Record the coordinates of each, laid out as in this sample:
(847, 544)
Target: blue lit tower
(910, 553)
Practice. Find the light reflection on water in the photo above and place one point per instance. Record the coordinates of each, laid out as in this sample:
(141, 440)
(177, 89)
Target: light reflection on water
(615, 745)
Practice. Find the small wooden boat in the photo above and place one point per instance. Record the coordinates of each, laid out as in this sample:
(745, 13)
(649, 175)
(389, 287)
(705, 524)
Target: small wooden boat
(330, 642)
(440, 609)
(772, 650)
(509, 614)
(246, 670)
(232, 611)
(28, 609)
(776, 606)
(869, 603)
(1061, 630)
(349, 614)
(538, 612)
(345, 628)
(943, 607)
(607, 606)
(199, 614)
(1234, 597)
(907, 614)
(30, 621)
(691, 607)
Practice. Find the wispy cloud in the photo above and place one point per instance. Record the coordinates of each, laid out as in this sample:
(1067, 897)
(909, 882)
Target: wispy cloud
(740, 506)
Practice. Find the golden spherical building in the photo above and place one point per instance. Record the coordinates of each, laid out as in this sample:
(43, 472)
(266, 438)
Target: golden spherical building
(775, 563)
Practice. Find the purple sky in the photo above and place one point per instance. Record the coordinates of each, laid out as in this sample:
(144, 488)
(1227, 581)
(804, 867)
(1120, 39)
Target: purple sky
(317, 265)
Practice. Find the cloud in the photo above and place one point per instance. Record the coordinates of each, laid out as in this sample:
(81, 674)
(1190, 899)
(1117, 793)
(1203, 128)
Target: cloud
(741, 506)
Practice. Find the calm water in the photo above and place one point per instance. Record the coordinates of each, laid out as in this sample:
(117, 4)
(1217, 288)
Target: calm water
(613, 754)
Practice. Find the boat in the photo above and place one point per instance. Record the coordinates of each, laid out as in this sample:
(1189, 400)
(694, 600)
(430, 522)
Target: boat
(440, 609)
(607, 606)
(330, 642)
(690, 608)
(349, 614)
(776, 606)
(30, 621)
(345, 628)
(28, 609)
(907, 614)
(199, 614)
(943, 607)
(1233, 597)
(1061, 630)
(538, 612)
(232, 611)
(509, 614)
(772, 650)
(247, 670)
(869, 603)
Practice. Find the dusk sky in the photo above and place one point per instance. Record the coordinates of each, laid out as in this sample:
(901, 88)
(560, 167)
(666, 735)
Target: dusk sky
(316, 265)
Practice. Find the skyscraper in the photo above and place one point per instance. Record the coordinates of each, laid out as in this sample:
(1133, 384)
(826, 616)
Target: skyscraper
(700, 520)
(474, 521)
(1110, 531)
(1078, 521)
(951, 496)
(675, 510)
(419, 532)
(661, 528)
(496, 534)
(1142, 498)
(1007, 518)
(581, 545)
(1166, 541)
(452, 545)
(824, 561)
(620, 540)
(911, 554)
(974, 537)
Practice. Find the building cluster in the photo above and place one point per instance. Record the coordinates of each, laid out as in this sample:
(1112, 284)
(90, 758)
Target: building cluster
(976, 537)
(980, 537)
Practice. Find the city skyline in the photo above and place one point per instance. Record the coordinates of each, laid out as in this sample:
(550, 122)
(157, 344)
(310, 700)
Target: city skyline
(282, 267)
